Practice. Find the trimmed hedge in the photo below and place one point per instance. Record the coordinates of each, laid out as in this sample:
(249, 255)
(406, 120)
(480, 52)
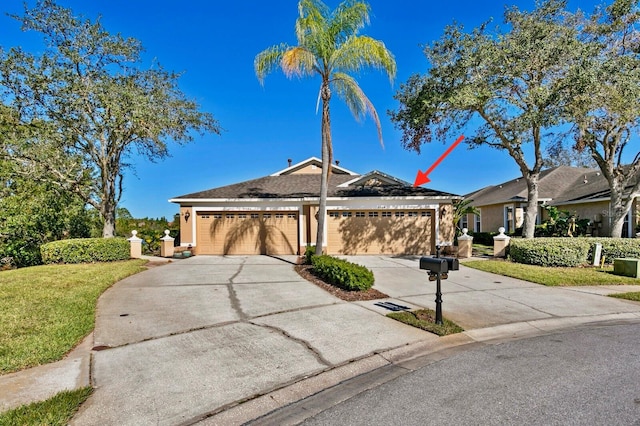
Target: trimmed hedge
(342, 273)
(554, 251)
(616, 247)
(86, 250)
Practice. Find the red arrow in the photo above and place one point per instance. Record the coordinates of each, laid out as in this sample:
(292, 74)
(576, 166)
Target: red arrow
(422, 178)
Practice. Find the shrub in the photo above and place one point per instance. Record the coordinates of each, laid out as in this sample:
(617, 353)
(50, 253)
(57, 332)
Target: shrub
(615, 247)
(309, 252)
(550, 251)
(484, 238)
(341, 273)
(86, 250)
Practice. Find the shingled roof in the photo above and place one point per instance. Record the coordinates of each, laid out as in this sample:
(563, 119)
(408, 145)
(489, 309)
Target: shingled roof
(308, 186)
(561, 183)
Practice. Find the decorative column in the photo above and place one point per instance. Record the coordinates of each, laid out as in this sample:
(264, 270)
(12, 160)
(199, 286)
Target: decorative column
(465, 244)
(166, 246)
(136, 245)
(500, 243)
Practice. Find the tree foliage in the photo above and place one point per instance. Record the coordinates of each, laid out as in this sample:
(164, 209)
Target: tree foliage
(506, 87)
(605, 101)
(85, 105)
(330, 47)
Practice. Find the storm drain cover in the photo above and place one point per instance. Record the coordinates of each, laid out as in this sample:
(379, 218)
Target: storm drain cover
(392, 306)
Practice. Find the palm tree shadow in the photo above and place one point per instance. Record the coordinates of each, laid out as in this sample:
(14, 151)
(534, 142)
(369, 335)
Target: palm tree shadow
(265, 238)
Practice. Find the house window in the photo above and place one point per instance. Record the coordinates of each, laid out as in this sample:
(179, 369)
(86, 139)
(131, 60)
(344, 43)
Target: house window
(464, 221)
(626, 227)
(399, 214)
(477, 225)
(386, 214)
(508, 219)
(334, 214)
(359, 214)
(373, 214)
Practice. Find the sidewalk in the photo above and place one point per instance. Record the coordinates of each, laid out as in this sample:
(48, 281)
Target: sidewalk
(222, 340)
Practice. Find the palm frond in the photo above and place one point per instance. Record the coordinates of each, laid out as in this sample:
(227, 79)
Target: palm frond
(347, 89)
(268, 60)
(360, 52)
(298, 61)
(347, 19)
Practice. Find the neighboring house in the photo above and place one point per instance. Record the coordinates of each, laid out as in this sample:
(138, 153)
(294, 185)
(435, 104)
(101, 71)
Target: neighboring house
(372, 213)
(582, 192)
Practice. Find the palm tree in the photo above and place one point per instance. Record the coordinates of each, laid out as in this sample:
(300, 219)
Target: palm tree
(329, 46)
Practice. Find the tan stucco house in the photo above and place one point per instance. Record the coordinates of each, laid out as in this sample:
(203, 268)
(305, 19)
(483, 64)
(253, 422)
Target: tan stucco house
(373, 213)
(582, 192)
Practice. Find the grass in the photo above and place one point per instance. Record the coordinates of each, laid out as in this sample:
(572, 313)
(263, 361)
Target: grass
(635, 296)
(425, 319)
(54, 411)
(47, 310)
(553, 276)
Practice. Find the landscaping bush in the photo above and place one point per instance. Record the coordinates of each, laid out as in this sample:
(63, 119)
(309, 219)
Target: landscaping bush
(615, 247)
(85, 250)
(341, 273)
(550, 251)
(484, 238)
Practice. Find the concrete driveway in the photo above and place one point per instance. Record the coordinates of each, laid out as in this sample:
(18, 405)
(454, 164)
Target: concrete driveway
(223, 340)
(180, 342)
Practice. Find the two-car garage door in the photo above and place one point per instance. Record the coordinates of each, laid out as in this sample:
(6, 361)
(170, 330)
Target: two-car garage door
(381, 232)
(247, 233)
(349, 232)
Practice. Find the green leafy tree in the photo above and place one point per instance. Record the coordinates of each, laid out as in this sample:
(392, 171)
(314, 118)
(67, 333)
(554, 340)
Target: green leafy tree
(88, 106)
(330, 47)
(506, 87)
(605, 101)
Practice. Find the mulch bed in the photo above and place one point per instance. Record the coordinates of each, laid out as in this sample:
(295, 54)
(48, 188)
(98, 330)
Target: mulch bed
(305, 271)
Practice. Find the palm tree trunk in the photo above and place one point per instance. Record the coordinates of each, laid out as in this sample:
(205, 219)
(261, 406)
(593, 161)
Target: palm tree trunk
(326, 165)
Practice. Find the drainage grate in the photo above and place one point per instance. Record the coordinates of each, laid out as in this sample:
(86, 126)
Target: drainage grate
(392, 306)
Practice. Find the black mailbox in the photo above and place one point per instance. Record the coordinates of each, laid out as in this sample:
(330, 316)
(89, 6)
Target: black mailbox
(452, 263)
(435, 264)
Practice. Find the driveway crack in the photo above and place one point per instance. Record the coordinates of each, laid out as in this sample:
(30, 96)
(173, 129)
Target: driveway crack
(233, 296)
(316, 353)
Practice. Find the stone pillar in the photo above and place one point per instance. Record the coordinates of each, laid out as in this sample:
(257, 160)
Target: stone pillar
(136, 245)
(166, 246)
(465, 244)
(500, 244)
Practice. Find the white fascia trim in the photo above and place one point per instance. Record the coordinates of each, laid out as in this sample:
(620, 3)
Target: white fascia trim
(235, 200)
(309, 160)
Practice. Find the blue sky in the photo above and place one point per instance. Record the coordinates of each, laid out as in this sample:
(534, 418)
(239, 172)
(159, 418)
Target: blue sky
(214, 44)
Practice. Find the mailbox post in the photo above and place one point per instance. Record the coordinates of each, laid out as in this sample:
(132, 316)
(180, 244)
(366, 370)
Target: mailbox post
(438, 269)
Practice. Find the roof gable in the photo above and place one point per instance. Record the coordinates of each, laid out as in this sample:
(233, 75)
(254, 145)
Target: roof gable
(312, 165)
(375, 178)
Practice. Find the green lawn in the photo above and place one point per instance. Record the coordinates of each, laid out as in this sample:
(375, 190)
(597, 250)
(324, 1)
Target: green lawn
(52, 412)
(47, 310)
(553, 276)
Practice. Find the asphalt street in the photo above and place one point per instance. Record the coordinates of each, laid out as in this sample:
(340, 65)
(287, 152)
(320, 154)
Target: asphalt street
(589, 375)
